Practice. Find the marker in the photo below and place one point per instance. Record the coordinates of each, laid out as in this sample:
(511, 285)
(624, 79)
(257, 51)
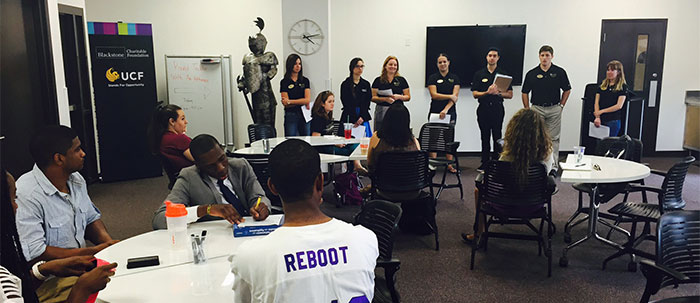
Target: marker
(258, 203)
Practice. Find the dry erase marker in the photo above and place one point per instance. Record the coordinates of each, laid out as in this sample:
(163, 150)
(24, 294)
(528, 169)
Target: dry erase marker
(258, 204)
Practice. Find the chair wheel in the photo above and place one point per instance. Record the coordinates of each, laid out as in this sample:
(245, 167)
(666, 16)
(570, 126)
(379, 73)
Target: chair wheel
(563, 262)
(632, 267)
(567, 238)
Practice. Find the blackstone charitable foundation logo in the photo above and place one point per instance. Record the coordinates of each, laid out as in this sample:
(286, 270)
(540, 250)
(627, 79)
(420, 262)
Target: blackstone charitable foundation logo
(128, 79)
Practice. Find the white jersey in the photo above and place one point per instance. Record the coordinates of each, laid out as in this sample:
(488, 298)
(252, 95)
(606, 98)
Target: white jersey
(327, 262)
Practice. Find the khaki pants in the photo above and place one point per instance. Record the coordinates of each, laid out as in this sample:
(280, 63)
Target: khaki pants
(56, 289)
(552, 117)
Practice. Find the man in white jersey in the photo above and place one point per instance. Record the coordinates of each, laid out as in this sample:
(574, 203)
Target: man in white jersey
(311, 258)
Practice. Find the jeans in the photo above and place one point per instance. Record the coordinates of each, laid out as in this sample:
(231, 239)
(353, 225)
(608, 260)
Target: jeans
(614, 127)
(295, 125)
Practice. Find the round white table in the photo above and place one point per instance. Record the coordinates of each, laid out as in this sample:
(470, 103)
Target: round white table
(605, 170)
(177, 278)
(313, 140)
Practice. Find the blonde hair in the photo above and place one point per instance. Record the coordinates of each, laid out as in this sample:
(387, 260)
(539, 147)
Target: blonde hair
(383, 78)
(526, 141)
(318, 108)
(619, 81)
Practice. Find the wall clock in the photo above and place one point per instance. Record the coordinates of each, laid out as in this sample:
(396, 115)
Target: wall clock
(305, 37)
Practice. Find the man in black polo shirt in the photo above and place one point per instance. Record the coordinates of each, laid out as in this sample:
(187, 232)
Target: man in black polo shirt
(545, 81)
(490, 112)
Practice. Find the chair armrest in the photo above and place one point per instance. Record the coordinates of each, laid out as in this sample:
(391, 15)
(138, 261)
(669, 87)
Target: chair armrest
(393, 263)
(452, 147)
(658, 172)
(637, 188)
(651, 267)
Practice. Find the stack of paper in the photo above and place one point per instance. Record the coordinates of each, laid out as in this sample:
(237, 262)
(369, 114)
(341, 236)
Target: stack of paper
(257, 228)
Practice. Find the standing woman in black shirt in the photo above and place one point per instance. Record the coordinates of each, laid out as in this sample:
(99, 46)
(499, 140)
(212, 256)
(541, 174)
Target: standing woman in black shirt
(296, 92)
(388, 88)
(610, 98)
(356, 94)
(444, 91)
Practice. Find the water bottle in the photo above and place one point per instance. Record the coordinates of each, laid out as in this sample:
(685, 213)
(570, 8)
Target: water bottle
(176, 219)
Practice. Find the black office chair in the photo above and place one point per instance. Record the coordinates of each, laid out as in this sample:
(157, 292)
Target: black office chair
(400, 177)
(670, 197)
(260, 131)
(677, 255)
(503, 201)
(439, 138)
(381, 217)
(614, 147)
(260, 164)
(170, 170)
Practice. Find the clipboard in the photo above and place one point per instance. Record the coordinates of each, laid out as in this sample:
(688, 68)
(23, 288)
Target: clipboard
(502, 82)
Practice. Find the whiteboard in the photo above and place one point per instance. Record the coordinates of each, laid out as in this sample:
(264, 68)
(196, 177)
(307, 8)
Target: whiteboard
(204, 93)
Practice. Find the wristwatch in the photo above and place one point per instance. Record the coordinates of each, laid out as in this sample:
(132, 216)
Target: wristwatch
(561, 105)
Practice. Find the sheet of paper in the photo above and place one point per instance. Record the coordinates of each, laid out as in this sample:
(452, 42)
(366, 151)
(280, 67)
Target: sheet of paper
(306, 112)
(358, 132)
(570, 164)
(228, 281)
(385, 92)
(271, 220)
(598, 132)
(436, 118)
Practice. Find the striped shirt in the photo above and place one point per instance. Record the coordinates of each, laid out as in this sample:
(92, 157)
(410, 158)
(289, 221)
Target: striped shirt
(10, 287)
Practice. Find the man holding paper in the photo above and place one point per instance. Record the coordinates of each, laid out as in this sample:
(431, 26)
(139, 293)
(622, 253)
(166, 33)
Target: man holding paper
(545, 81)
(490, 86)
(216, 186)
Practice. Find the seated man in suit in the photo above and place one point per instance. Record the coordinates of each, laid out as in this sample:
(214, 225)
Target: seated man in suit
(311, 258)
(55, 214)
(216, 186)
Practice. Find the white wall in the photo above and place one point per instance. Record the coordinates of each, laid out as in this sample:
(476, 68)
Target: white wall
(203, 28)
(374, 29)
(316, 66)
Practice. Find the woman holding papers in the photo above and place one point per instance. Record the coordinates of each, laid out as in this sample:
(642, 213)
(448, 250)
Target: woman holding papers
(444, 90)
(387, 89)
(167, 136)
(322, 125)
(356, 94)
(610, 98)
(296, 92)
(490, 112)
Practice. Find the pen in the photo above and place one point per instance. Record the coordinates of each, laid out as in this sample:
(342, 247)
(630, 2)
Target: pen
(258, 203)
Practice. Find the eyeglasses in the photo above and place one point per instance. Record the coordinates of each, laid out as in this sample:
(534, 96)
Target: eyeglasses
(360, 66)
(596, 167)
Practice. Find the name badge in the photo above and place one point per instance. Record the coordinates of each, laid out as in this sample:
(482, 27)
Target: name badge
(485, 80)
(364, 90)
(440, 81)
(290, 86)
(540, 76)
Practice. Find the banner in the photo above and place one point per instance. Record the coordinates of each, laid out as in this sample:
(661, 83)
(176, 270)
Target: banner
(123, 78)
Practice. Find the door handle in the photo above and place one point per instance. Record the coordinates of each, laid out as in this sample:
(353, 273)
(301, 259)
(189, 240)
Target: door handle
(652, 92)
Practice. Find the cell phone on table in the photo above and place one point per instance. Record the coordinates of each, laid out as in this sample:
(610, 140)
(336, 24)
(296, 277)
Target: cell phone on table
(142, 262)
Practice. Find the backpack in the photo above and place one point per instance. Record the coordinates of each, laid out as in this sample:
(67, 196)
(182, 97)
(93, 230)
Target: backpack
(347, 186)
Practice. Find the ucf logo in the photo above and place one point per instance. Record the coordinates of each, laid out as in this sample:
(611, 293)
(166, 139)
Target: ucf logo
(112, 75)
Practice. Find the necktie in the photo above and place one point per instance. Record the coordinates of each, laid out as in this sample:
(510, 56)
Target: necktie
(231, 198)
